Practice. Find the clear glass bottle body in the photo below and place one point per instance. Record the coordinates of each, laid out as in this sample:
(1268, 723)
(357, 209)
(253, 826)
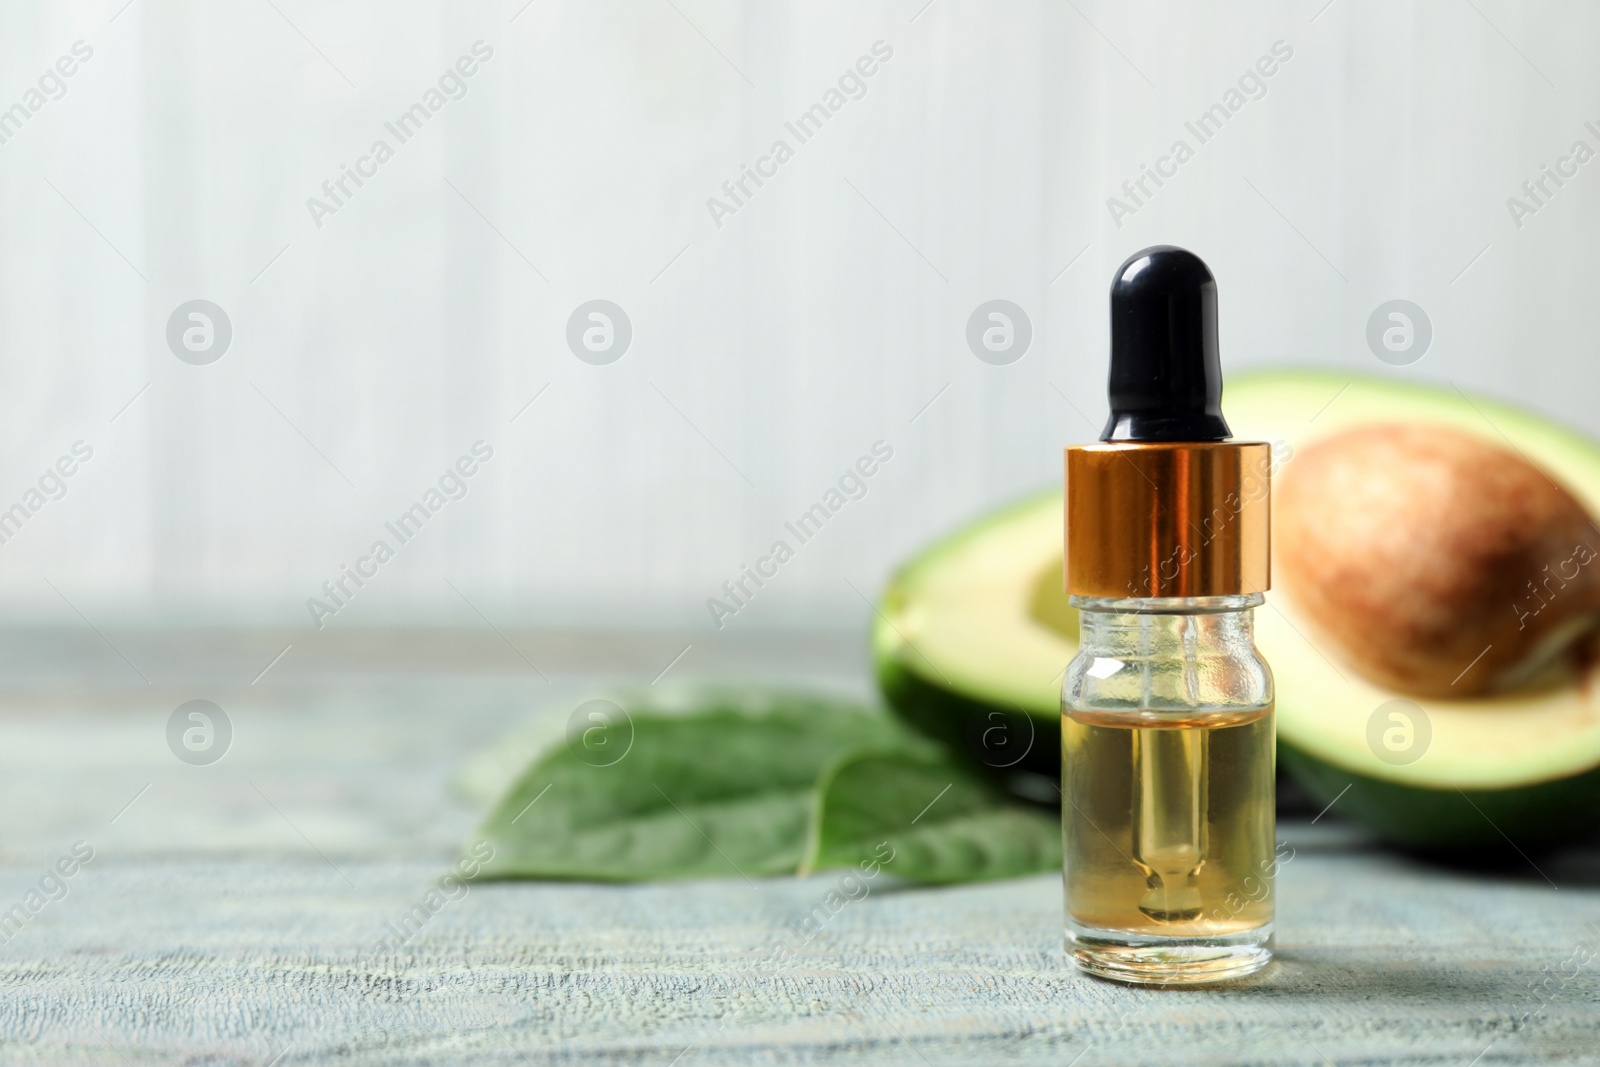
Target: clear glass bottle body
(1168, 805)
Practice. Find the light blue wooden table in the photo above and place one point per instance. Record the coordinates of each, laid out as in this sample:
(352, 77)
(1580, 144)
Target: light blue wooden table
(230, 913)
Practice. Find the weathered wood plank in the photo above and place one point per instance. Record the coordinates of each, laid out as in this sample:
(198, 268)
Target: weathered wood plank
(233, 913)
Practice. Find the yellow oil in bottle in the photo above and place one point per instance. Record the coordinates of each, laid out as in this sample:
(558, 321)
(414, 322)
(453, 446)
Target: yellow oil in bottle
(1169, 823)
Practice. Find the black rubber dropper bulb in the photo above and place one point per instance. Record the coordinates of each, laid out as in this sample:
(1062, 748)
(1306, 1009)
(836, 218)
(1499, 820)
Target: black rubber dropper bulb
(1166, 375)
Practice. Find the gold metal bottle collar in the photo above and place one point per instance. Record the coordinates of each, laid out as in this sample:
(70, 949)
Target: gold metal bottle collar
(1146, 519)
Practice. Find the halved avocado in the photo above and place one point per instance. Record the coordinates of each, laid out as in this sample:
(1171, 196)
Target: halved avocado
(975, 632)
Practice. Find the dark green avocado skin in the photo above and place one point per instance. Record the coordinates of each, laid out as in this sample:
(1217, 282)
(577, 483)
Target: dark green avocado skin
(998, 738)
(1448, 821)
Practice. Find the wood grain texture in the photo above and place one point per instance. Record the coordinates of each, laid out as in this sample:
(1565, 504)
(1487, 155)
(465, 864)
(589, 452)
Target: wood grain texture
(235, 914)
(824, 316)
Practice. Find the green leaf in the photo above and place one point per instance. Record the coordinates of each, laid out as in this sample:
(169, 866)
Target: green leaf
(726, 791)
(939, 821)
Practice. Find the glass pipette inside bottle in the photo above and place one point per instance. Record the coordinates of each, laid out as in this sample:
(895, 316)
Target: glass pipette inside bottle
(1169, 797)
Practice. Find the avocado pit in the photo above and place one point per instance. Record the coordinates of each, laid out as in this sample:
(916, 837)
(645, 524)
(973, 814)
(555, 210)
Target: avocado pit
(1433, 561)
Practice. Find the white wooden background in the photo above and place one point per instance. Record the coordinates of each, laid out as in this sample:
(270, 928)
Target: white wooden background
(769, 353)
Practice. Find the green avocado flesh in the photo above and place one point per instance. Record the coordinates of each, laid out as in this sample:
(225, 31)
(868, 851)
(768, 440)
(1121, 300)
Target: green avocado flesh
(975, 632)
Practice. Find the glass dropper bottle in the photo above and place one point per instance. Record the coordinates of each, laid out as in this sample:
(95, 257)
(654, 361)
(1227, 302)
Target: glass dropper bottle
(1167, 731)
